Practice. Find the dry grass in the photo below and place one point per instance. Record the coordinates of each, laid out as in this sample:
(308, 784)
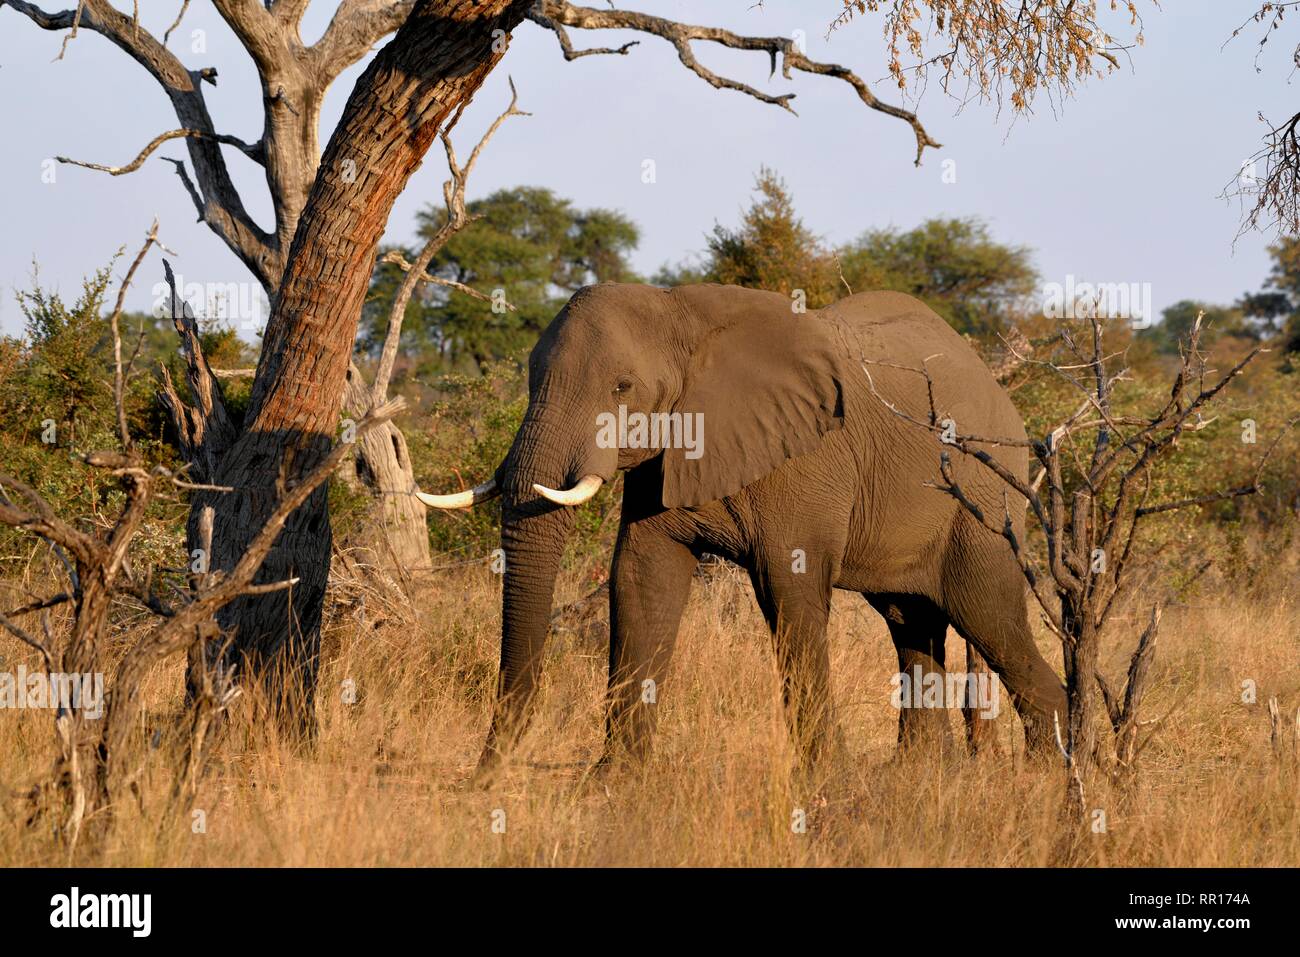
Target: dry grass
(386, 784)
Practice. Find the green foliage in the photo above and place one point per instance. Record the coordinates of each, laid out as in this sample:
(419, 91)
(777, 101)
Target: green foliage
(526, 245)
(61, 376)
(770, 249)
(464, 439)
(56, 404)
(953, 265)
(1277, 305)
(461, 443)
(352, 511)
(1176, 323)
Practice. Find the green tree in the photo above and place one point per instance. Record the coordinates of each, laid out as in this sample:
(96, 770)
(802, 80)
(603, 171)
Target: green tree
(61, 371)
(770, 249)
(527, 246)
(1176, 322)
(953, 265)
(57, 403)
(1277, 305)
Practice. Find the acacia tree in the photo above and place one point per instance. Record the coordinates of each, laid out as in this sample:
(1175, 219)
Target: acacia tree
(330, 219)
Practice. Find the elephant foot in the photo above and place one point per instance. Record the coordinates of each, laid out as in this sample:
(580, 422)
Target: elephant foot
(981, 734)
(620, 760)
(489, 769)
(1041, 746)
(925, 734)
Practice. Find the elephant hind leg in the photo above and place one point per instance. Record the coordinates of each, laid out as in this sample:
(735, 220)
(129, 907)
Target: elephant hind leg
(918, 628)
(984, 596)
(981, 737)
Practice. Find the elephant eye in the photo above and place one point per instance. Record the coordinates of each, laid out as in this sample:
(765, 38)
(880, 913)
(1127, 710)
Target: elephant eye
(624, 385)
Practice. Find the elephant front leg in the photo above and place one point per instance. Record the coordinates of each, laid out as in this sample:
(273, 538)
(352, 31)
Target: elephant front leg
(796, 603)
(651, 581)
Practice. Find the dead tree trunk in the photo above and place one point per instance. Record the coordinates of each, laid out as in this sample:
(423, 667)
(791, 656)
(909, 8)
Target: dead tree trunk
(1077, 731)
(423, 77)
(383, 465)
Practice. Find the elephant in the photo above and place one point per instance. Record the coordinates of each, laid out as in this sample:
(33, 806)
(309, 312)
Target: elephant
(804, 469)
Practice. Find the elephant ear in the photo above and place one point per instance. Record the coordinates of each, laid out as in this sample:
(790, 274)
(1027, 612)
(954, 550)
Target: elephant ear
(769, 386)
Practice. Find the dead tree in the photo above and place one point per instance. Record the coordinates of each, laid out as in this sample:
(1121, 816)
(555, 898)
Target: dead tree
(101, 753)
(330, 216)
(1268, 183)
(1089, 498)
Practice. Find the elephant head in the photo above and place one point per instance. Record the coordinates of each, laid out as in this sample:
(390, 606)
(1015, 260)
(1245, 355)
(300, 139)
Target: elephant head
(761, 382)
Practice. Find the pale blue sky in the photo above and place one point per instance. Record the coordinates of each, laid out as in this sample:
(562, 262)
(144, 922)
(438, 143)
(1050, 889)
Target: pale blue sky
(1122, 184)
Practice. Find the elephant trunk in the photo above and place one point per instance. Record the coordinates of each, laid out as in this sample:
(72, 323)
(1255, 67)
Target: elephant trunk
(533, 535)
(533, 545)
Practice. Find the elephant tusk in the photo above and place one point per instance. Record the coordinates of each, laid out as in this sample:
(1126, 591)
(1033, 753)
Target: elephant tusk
(584, 490)
(479, 493)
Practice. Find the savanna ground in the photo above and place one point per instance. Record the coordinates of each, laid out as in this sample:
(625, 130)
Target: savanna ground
(404, 704)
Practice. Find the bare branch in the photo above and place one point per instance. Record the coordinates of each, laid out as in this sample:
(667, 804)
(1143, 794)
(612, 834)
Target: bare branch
(566, 45)
(43, 522)
(356, 27)
(40, 604)
(252, 151)
(190, 188)
(289, 11)
(167, 35)
(550, 13)
(397, 259)
(261, 34)
(205, 430)
(21, 634)
(119, 376)
(76, 19)
(219, 203)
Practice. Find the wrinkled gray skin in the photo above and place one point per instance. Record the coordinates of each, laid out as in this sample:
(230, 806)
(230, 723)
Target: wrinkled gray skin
(797, 454)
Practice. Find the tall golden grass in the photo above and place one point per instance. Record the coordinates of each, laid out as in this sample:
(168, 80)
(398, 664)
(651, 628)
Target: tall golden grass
(405, 696)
